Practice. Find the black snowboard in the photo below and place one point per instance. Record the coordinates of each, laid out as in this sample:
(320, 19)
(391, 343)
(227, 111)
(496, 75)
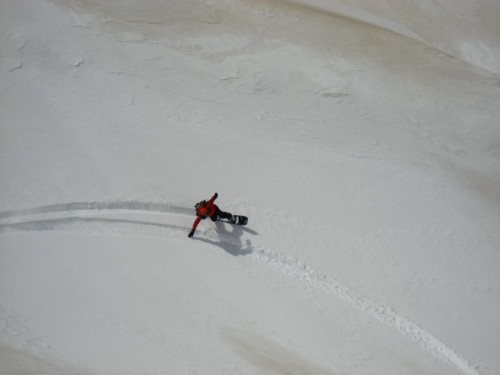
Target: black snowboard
(237, 220)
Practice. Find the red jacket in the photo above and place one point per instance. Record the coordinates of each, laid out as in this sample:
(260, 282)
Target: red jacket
(211, 210)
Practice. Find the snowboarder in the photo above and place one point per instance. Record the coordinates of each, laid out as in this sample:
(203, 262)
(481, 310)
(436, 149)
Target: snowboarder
(206, 209)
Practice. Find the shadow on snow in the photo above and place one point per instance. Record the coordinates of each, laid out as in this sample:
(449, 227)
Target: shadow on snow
(230, 240)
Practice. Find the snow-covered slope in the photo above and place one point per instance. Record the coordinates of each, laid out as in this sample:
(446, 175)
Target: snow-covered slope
(367, 162)
(468, 30)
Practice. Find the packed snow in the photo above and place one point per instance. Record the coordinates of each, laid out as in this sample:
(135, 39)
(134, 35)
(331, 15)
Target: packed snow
(361, 139)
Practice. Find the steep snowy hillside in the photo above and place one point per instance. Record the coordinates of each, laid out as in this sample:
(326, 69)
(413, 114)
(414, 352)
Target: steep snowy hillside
(367, 162)
(468, 30)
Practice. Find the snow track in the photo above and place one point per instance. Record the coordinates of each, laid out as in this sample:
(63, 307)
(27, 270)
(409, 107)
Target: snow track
(82, 216)
(119, 215)
(302, 271)
(97, 206)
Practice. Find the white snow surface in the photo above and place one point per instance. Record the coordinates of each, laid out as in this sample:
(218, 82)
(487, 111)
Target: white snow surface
(361, 138)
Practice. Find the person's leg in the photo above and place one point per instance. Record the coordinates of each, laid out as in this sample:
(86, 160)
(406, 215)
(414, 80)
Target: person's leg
(223, 215)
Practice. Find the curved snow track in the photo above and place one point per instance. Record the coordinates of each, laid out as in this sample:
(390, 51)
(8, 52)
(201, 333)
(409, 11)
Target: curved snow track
(85, 215)
(89, 207)
(131, 217)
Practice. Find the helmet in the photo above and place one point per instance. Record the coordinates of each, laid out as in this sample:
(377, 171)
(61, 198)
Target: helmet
(202, 211)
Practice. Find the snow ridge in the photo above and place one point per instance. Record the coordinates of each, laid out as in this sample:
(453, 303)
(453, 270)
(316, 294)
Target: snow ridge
(54, 216)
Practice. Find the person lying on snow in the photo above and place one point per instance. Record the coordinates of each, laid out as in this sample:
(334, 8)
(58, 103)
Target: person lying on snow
(206, 209)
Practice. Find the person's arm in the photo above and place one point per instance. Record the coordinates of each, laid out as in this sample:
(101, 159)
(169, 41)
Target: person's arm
(195, 224)
(211, 201)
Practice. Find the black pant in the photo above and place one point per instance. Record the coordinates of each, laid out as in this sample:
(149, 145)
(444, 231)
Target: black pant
(220, 214)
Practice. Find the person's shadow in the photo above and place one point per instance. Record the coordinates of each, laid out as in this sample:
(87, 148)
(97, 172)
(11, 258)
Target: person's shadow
(230, 239)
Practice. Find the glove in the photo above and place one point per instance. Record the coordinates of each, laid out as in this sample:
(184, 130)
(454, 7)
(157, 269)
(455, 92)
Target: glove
(191, 234)
(216, 195)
